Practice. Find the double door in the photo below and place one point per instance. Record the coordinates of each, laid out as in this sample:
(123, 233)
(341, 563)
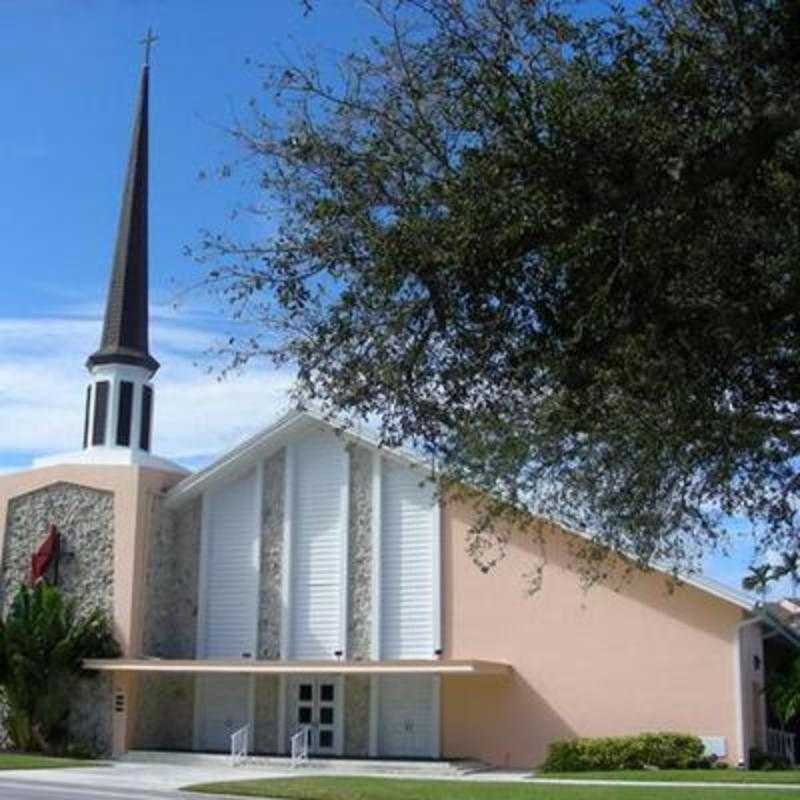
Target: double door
(317, 705)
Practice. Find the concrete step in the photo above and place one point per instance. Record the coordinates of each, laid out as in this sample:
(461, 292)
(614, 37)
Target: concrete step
(399, 766)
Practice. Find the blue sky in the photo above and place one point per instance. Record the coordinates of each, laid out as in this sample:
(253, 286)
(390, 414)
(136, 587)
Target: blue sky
(68, 75)
(68, 78)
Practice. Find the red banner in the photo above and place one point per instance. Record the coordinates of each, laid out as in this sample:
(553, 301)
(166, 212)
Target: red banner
(45, 555)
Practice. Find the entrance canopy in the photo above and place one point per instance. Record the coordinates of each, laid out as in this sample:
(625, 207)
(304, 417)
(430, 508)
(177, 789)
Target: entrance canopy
(246, 666)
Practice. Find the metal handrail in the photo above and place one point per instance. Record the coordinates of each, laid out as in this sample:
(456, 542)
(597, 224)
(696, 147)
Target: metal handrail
(300, 746)
(240, 746)
(781, 744)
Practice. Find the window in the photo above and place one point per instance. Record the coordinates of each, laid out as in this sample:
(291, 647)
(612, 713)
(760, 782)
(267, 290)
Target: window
(125, 413)
(86, 417)
(100, 412)
(147, 414)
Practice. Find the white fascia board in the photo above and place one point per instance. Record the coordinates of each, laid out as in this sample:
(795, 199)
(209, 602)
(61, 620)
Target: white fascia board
(702, 582)
(235, 459)
(720, 590)
(240, 457)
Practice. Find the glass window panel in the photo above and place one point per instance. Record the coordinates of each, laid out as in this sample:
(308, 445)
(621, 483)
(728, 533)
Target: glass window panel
(306, 691)
(326, 715)
(304, 715)
(326, 692)
(326, 738)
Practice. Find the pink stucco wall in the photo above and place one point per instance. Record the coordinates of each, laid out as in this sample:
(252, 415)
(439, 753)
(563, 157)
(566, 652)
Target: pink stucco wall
(594, 663)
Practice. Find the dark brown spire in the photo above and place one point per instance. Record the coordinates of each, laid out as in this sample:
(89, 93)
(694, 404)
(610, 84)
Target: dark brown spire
(125, 329)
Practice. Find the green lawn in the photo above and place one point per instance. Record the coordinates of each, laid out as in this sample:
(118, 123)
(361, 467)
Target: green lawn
(690, 776)
(23, 761)
(402, 789)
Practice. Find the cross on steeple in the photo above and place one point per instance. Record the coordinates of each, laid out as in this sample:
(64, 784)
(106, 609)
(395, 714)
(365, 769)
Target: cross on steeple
(148, 41)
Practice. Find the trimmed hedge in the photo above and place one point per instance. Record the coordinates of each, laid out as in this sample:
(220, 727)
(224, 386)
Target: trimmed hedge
(661, 750)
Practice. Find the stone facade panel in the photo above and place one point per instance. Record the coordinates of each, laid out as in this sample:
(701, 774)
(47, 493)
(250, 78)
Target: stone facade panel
(359, 601)
(85, 519)
(269, 618)
(171, 581)
(267, 714)
(165, 712)
(356, 715)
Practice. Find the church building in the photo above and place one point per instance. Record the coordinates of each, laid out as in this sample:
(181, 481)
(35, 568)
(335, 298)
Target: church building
(311, 583)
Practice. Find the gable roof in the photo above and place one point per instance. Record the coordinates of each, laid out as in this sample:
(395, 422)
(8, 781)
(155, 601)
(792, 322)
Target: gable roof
(274, 436)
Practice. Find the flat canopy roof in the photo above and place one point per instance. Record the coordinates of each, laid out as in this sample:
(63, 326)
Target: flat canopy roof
(246, 666)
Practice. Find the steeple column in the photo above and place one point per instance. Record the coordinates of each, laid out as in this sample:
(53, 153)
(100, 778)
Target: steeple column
(119, 412)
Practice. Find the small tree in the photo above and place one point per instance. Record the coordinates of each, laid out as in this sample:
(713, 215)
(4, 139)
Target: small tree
(783, 693)
(43, 642)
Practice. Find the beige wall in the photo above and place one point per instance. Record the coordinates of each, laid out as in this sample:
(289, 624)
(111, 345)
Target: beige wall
(753, 706)
(134, 489)
(594, 663)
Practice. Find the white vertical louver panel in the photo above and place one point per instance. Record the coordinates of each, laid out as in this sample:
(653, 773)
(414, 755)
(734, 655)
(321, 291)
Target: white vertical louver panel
(318, 531)
(231, 572)
(407, 564)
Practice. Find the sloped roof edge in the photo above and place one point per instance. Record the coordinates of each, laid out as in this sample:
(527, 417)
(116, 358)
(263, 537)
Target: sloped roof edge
(193, 484)
(295, 418)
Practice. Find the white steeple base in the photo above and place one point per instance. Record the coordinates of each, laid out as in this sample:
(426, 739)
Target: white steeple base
(118, 421)
(112, 456)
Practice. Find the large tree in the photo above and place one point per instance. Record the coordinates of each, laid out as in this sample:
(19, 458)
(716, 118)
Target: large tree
(554, 246)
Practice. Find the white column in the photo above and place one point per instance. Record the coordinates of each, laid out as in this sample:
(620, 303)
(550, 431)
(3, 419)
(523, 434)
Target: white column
(436, 583)
(286, 555)
(344, 571)
(258, 513)
(376, 556)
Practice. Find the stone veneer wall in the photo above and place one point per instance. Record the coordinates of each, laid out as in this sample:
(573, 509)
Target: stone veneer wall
(269, 619)
(359, 589)
(165, 712)
(85, 520)
(265, 734)
(356, 716)
(171, 581)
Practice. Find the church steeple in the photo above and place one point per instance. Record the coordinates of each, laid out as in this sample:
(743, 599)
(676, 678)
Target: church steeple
(125, 338)
(119, 398)
(118, 417)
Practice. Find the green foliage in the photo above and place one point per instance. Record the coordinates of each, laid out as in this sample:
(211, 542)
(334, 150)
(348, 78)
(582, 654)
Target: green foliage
(662, 750)
(764, 762)
(553, 245)
(43, 642)
(783, 693)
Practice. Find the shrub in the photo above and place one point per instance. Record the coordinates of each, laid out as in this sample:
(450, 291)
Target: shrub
(761, 761)
(661, 750)
(43, 642)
